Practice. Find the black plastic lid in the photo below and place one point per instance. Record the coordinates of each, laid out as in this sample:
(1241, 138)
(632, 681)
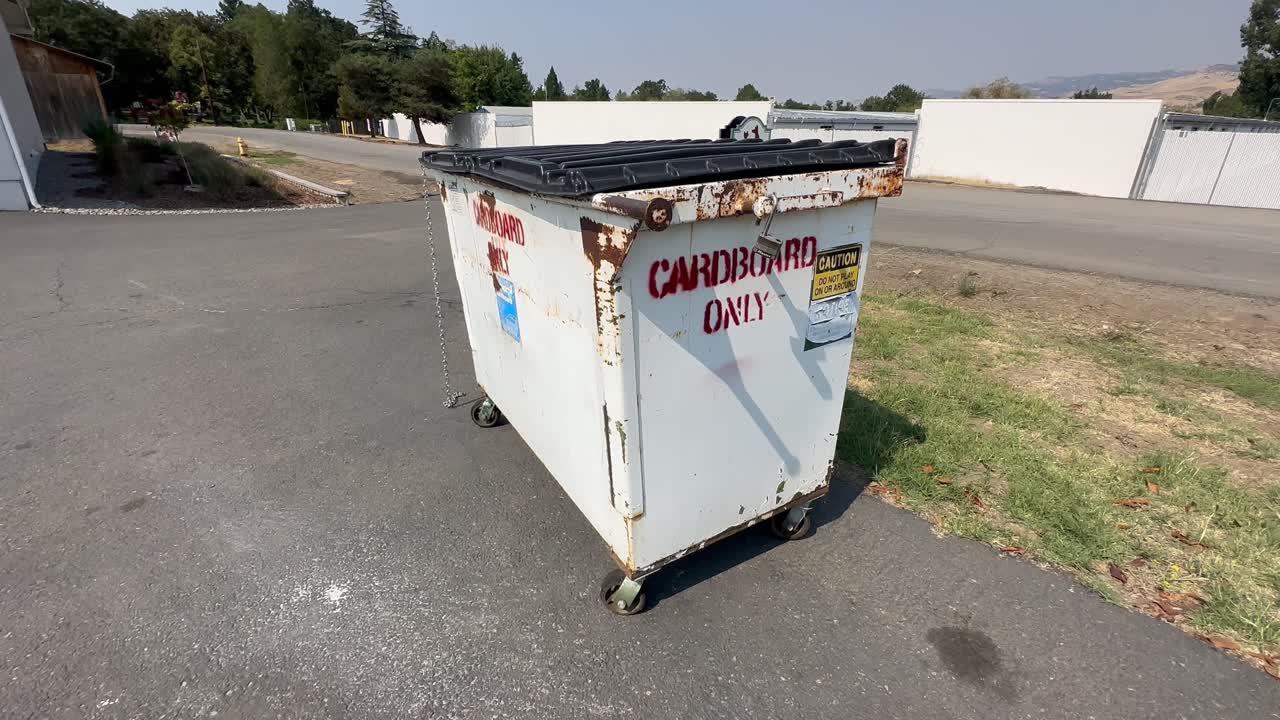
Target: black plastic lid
(575, 170)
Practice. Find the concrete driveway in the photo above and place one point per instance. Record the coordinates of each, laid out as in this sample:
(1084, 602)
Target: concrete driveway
(227, 485)
(1229, 249)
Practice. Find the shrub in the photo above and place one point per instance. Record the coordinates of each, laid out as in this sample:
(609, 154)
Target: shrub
(210, 170)
(148, 150)
(108, 145)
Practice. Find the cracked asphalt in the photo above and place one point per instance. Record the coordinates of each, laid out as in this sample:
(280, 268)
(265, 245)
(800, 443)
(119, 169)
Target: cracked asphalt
(228, 486)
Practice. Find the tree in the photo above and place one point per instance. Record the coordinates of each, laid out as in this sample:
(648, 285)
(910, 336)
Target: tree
(1092, 93)
(425, 88)
(749, 92)
(999, 89)
(650, 90)
(1260, 69)
(592, 90)
(488, 76)
(228, 9)
(1227, 105)
(790, 104)
(366, 88)
(900, 98)
(212, 62)
(552, 88)
(313, 40)
(386, 35)
(273, 91)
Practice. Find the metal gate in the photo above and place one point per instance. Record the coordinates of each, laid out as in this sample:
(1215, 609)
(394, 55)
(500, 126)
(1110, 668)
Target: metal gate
(1240, 169)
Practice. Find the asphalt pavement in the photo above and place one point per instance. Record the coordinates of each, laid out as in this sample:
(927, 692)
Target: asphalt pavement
(1234, 250)
(228, 486)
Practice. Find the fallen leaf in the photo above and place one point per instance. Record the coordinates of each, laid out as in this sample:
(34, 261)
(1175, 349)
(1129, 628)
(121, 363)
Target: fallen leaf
(1137, 563)
(926, 469)
(1274, 672)
(1153, 488)
(1153, 470)
(945, 481)
(1268, 660)
(1013, 550)
(1182, 601)
(1133, 503)
(1123, 526)
(1118, 573)
(1185, 540)
(1166, 612)
(1190, 507)
(1223, 643)
(973, 498)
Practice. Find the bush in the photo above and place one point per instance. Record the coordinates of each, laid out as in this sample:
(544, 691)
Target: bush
(209, 169)
(108, 145)
(148, 150)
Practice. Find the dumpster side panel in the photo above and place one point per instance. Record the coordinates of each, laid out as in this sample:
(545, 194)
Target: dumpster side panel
(742, 367)
(529, 297)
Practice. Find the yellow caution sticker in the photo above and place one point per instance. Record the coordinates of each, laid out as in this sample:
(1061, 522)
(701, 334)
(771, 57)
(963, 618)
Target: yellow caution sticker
(836, 272)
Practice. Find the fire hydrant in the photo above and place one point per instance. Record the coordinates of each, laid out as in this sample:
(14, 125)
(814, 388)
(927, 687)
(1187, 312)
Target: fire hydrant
(242, 147)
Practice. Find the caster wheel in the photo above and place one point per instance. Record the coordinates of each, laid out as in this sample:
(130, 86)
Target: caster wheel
(611, 583)
(485, 414)
(778, 526)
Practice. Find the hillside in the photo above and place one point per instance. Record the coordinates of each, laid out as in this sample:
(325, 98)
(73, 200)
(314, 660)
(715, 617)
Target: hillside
(1178, 88)
(1184, 92)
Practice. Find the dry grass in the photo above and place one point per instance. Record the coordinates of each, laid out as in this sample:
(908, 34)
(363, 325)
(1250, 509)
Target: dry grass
(1150, 474)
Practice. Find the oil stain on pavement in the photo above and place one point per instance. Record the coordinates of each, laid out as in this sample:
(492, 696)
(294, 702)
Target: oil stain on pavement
(971, 656)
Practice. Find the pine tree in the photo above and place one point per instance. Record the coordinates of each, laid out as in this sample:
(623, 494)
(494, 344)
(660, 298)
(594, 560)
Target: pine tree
(552, 88)
(381, 18)
(227, 9)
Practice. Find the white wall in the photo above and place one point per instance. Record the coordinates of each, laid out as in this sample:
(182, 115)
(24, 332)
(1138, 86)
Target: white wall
(468, 130)
(26, 129)
(1092, 147)
(571, 123)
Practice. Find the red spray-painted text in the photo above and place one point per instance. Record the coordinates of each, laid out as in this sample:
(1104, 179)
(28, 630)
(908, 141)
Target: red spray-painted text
(504, 225)
(709, 270)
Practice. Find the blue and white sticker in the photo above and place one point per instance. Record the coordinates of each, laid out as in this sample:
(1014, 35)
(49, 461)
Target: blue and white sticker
(507, 307)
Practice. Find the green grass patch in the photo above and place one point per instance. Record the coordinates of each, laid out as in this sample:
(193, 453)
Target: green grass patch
(1141, 364)
(1004, 465)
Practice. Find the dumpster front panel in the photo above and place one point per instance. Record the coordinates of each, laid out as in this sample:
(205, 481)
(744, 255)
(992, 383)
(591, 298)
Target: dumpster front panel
(529, 300)
(742, 365)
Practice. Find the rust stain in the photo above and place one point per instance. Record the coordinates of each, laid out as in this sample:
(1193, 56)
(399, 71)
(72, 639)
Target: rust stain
(444, 192)
(738, 196)
(606, 247)
(795, 502)
(488, 200)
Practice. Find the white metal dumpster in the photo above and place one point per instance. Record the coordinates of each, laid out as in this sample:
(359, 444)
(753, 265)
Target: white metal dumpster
(668, 325)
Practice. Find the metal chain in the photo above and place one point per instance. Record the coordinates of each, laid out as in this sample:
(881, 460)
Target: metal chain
(451, 396)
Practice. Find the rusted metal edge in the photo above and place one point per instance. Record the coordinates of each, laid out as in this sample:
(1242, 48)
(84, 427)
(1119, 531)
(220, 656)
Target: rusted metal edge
(798, 500)
(659, 208)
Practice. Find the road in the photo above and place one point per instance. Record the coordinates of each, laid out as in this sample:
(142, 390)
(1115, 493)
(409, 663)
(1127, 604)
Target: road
(1228, 249)
(228, 485)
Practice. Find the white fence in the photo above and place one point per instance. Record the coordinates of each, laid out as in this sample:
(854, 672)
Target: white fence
(1094, 147)
(569, 123)
(836, 126)
(1240, 169)
(492, 127)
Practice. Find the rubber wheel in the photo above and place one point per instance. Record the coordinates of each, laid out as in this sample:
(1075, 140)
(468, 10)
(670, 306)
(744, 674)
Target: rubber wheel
(609, 585)
(483, 419)
(779, 529)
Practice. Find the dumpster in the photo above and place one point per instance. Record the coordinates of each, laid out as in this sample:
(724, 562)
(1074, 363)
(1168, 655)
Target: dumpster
(668, 325)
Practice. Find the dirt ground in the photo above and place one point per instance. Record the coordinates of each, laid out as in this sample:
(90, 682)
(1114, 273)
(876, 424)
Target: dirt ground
(1189, 324)
(364, 184)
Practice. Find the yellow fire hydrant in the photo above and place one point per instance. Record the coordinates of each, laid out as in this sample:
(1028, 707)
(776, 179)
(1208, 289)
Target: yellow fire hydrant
(242, 147)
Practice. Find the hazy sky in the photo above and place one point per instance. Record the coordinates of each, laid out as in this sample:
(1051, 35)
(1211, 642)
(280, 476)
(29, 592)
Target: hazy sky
(820, 49)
